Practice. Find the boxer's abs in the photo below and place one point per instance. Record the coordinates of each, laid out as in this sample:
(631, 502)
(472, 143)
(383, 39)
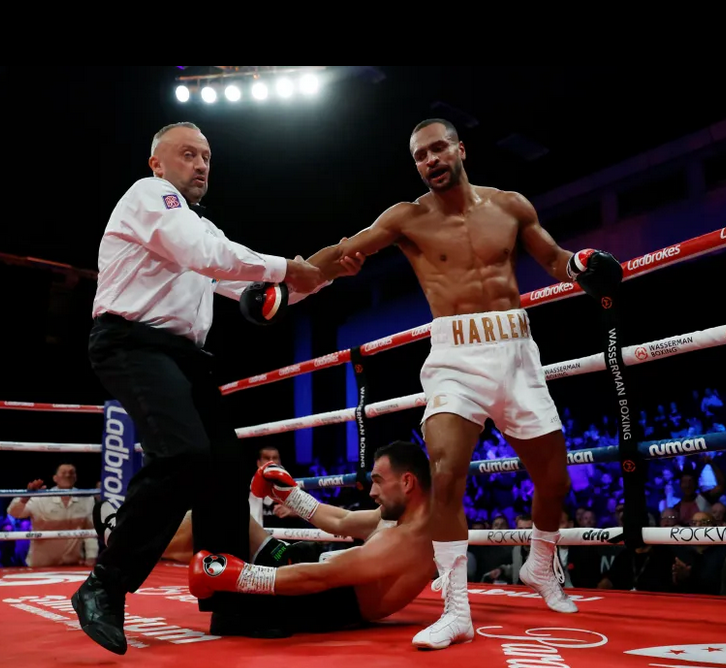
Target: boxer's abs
(470, 291)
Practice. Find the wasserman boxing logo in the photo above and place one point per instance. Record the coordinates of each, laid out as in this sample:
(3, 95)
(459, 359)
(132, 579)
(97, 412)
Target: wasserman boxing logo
(286, 371)
(561, 370)
(617, 374)
(650, 258)
(669, 347)
(258, 379)
(670, 448)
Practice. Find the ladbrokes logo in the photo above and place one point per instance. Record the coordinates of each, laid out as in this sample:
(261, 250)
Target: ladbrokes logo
(542, 646)
(60, 609)
(658, 256)
(326, 359)
(551, 290)
(26, 579)
(374, 345)
(686, 655)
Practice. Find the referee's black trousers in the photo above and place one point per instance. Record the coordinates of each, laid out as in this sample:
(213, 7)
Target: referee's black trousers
(192, 457)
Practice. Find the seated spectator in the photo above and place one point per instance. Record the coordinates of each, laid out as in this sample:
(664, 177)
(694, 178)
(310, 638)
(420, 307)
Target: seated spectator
(668, 518)
(58, 513)
(691, 501)
(718, 512)
(520, 553)
(698, 569)
(647, 568)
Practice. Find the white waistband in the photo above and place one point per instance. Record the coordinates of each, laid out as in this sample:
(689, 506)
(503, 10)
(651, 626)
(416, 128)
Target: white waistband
(480, 328)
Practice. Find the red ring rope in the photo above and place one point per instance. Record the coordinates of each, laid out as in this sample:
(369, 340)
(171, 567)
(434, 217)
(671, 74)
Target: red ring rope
(639, 266)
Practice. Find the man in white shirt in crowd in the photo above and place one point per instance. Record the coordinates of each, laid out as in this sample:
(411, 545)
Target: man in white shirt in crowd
(57, 513)
(160, 263)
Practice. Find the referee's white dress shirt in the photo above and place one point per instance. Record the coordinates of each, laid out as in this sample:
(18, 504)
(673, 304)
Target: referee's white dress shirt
(160, 263)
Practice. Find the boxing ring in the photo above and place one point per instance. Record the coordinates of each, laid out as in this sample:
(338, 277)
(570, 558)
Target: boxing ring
(513, 626)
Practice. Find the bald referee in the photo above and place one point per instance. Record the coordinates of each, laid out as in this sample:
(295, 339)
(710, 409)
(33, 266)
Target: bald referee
(160, 263)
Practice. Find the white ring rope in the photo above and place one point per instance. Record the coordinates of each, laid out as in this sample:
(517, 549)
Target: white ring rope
(18, 446)
(632, 355)
(579, 536)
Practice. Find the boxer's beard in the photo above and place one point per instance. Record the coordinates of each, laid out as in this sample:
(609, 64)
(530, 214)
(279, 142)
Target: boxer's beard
(392, 511)
(454, 179)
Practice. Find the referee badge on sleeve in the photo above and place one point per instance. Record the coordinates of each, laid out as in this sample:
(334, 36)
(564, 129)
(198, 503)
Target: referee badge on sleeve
(172, 202)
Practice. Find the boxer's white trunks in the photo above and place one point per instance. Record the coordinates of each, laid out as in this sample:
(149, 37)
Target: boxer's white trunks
(486, 365)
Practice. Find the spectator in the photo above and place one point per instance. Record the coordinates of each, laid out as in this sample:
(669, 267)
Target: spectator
(58, 513)
(691, 501)
(647, 568)
(698, 570)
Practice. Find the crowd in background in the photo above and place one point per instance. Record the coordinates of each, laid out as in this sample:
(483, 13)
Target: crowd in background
(680, 491)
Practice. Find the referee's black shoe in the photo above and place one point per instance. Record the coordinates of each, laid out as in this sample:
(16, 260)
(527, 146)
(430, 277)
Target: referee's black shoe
(100, 612)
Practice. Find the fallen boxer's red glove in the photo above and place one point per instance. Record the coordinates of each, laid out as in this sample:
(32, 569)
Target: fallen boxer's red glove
(274, 481)
(222, 572)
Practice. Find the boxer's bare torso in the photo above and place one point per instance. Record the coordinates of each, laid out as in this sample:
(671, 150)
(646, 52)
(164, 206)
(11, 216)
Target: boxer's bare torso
(463, 253)
(464, 262)
(387, 595)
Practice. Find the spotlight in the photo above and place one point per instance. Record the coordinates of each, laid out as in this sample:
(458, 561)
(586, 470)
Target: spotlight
(232, 93)
(284, 87)
(209, 95)
(259, 90)
(182, 93)
(309, 84)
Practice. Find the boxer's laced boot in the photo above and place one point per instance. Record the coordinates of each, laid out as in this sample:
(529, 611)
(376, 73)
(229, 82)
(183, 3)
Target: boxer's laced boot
(543, 571)
(454, 625)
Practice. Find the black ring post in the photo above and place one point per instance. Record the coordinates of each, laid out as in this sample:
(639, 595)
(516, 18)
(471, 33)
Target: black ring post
(633, 465)
(361, 419)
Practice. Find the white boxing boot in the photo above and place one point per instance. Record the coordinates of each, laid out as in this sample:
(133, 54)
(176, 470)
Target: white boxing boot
(454, 625)
(543, 571)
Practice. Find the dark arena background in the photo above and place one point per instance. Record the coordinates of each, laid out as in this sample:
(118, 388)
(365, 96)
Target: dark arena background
(613, 158)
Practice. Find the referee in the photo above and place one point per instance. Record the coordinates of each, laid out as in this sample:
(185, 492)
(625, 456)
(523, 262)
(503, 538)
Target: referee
(160, 263)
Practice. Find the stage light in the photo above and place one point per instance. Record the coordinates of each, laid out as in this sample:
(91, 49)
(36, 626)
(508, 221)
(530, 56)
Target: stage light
(232, 93)
(309, 84)
(259, 90)
(182, 93)
(284, 87)
(209, 95)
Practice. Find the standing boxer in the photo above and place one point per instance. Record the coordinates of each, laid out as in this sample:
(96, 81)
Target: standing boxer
(461, 241)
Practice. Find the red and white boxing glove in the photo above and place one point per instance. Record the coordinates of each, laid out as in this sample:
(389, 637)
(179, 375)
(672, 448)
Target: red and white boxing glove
(222, 572)
(597, 272)
(578, 263)
(274, 481)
